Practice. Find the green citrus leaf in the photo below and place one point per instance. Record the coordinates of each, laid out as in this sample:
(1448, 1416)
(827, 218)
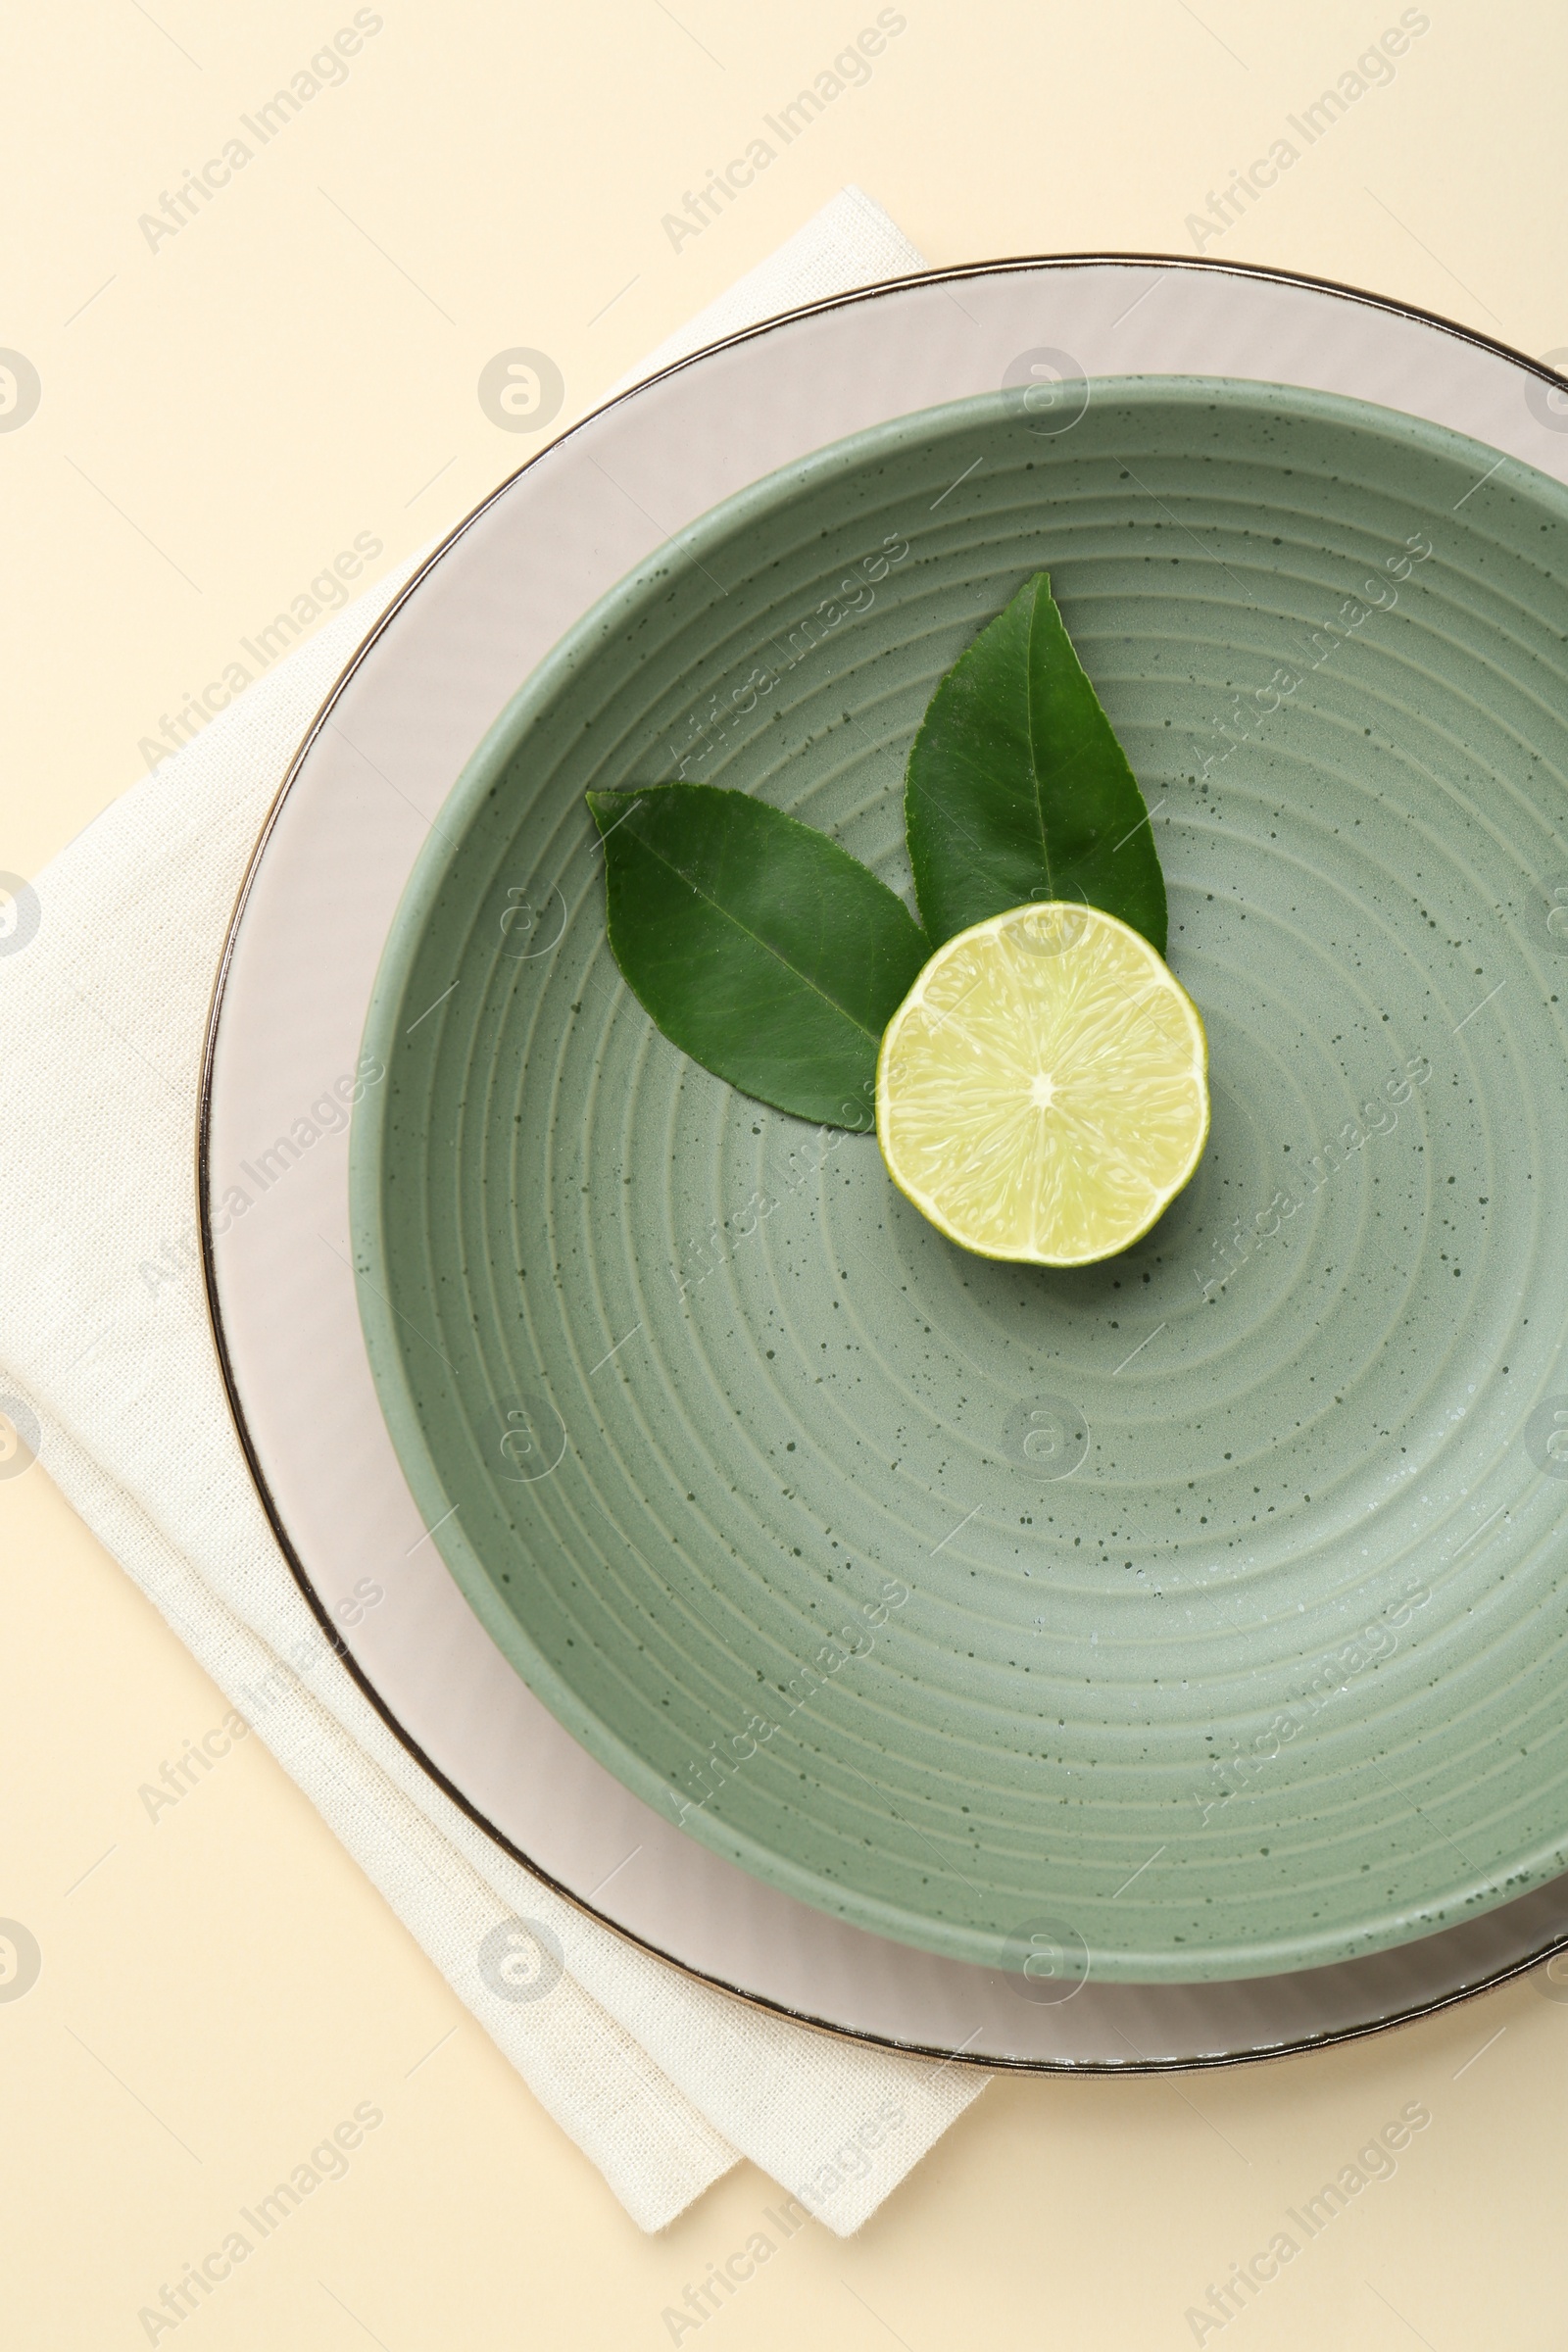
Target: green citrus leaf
(1017, 788)
(757, 945)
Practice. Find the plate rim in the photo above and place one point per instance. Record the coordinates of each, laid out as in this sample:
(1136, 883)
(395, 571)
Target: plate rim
(1005, 266)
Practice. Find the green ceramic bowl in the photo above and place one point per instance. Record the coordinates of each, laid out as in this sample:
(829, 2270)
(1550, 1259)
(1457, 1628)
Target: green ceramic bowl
(1199, 1614)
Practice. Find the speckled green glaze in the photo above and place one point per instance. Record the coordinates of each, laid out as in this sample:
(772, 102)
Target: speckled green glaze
(1210, 1604)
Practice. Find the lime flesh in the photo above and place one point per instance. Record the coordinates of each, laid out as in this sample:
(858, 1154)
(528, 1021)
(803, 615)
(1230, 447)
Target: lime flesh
(1043, 1089)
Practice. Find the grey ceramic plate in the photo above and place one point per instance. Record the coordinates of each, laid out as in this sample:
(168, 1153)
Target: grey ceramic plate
(1200, 1611)
(289, 1010)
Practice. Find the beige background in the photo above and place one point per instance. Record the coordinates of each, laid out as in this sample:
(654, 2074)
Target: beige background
(220, 415)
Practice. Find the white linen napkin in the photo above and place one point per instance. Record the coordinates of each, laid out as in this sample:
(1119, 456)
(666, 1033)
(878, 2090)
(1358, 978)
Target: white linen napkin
(105, 969)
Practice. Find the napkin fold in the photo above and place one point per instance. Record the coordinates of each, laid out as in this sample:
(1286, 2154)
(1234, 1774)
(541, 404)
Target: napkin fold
(107, 963)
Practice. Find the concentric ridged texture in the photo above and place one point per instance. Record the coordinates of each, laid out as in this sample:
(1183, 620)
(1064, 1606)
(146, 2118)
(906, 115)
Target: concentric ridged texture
(785, 1504)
